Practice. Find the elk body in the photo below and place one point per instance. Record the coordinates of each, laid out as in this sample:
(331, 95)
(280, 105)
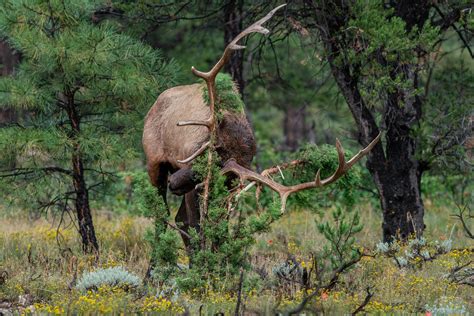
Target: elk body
(167, 145)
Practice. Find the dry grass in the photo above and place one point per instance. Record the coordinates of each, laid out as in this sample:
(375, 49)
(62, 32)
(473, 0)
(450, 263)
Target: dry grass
(40, 262)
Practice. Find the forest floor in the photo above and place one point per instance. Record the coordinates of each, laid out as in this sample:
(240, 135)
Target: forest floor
(38, 264)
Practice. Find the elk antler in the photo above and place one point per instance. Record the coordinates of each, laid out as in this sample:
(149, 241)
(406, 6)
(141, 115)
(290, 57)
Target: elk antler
(210, 77)
(284, 191)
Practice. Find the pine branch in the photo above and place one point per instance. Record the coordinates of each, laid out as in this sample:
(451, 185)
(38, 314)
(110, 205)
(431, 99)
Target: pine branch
(16, 172)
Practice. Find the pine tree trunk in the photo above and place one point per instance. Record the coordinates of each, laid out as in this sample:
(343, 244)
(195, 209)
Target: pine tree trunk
(395, 170)
(83, 211)
(8, 60)
(400, 187)
(398, 184)
(295, 127)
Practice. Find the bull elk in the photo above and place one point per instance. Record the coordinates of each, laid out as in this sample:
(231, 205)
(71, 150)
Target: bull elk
(178, 129)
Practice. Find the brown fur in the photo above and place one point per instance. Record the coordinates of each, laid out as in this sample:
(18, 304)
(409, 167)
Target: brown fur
(165, 143)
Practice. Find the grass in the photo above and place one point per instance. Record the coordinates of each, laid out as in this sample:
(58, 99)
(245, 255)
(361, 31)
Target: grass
(39, 263)
(301, 226)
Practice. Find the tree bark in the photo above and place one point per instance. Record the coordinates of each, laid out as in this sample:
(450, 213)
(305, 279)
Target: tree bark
(232, 27)
(295, 127)
(83, 211)
(8, 59)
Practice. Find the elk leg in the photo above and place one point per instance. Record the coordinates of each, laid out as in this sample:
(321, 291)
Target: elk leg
(163, 186)
(182, 222)
(188, 217)
(158, 174)
(192, 209)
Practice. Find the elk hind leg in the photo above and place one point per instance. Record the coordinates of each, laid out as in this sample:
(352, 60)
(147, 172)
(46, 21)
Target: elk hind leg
(188, 217)
(158, 174)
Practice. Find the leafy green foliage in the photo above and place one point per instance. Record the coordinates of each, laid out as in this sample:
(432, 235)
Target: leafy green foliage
(149, 202)
(83, 85)
(379, 41)
(220, 245)
(324, 158)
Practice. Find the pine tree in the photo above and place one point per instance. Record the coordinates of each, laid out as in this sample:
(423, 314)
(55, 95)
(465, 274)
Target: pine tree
(85, 89)
(382, 56)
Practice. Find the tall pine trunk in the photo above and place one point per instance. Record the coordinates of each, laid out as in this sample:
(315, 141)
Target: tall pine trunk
(399, 181)
(295, 127)
(8, 61)
(398, 184)
(83, 211)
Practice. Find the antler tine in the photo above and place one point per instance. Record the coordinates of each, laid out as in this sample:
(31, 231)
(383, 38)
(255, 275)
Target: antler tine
(285, 191)
(193, 122)
(246, 174)
(196, 153)
(342, 167)
(363, 152)
(210, 76)
(254, 28)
